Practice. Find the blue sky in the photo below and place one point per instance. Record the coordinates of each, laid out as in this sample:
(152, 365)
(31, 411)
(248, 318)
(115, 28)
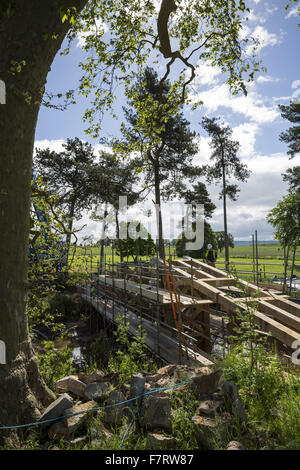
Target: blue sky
(255, 119)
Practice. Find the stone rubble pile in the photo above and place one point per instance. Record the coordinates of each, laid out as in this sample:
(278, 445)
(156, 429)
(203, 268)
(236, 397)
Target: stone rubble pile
(218, 408)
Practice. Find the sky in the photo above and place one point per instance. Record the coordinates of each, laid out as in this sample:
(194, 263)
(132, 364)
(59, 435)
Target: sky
(255, 120)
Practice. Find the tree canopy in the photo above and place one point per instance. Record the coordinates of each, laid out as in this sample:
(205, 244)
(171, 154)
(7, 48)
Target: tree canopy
(226, 165)
(285, 218)
(291, 137)
(142, 245)
(220, 235)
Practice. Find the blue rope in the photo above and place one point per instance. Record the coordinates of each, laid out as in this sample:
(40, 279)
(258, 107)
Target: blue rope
(154, 390)
(126, 432)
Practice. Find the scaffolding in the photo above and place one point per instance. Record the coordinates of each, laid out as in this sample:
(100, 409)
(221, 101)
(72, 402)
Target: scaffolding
(186, 307)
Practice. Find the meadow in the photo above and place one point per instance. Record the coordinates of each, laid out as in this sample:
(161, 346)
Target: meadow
(271, 259)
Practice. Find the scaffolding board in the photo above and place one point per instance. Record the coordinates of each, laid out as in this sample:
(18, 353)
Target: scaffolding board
(165, 346)
(278, 316)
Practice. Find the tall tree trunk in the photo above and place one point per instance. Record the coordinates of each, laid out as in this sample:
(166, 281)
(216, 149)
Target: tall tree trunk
(118, 235)
(70, 227)
(286, 262)
(102, 242)
(160, 240)
(292, 268)
(22, 38)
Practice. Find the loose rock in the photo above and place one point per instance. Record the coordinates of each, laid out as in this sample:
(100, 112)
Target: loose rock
(156, 413)
(57, 408)
(235, 445)
(70, 384)
(207, 429)
(100, 434)
(59, 430)
(96, 390)
(167, 370)
(74, 422)
(160, 442)
(209, 407)
(206, 383)
(97, 376)
(137, 389)
(115, 414)
(231, 393)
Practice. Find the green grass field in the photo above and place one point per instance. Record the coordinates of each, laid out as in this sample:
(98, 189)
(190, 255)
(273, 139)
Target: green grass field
(266, 252)
(270, 260)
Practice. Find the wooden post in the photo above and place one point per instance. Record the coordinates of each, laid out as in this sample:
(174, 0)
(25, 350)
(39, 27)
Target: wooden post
(253, 258)
(256, 254)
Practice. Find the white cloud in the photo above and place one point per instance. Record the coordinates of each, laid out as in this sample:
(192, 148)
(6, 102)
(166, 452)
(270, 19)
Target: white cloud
(251, 106)
(252, 17)
(54, 145)
(265, 39)
(267, 79)
(206, 74)
(295, 11)
(257, 197)
(99, 27)
(245, 134)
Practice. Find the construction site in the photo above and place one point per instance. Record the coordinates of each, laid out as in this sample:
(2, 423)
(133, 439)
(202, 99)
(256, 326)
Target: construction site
(187, 310)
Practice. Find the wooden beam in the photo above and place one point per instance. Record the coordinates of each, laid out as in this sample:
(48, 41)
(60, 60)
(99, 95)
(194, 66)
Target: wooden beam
(285, 304)
(206, 268)
(265, 306)
(283, 316)
(279, 331)
(218, 273)
(220, 282)
(198, 273)
(149, 292)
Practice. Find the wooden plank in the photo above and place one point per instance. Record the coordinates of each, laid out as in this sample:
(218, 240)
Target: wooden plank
(131, 286)
(220, 282)
(219, 273)
(281, 315)
(285, 304)
(206, 268)
(265, 307)
(160, 295)
(279, 331)
(233, 289)
(198, 273)
(251, 299)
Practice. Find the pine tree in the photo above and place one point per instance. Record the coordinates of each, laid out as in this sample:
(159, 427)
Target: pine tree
(291, 137)
(68, 175)
(163, 138)
(226, 165)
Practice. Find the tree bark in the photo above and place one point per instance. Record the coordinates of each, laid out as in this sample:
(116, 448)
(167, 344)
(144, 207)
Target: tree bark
(225, 218)
(292, 269)
(118, 235)
(102, 242)
(22, 37)
(286, 262)
(160, 240)
(70, 227)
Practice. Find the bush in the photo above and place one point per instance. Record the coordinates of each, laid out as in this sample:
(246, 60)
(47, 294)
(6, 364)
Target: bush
(55, 364)
(63, 306)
